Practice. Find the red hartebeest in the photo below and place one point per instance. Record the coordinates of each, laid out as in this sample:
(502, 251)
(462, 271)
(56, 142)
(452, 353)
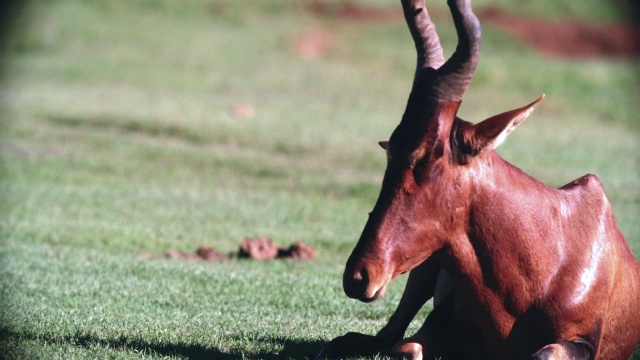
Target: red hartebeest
(517, 269)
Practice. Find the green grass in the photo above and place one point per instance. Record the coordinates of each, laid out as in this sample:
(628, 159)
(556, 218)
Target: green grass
(119, 139)
(92, 303)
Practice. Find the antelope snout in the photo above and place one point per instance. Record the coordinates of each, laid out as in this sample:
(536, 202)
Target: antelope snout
(363, 281)
(355, 281)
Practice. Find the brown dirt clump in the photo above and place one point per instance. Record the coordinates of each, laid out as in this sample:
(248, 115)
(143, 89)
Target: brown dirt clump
(207, 253)
(264, 249)
(298, 251)
(177, 254)
(202, 253)
(258, 248)
(313, 43)
(243, 111)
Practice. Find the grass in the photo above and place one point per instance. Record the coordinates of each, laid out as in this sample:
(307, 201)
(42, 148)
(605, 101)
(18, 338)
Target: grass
(105, 305)
(119, 139)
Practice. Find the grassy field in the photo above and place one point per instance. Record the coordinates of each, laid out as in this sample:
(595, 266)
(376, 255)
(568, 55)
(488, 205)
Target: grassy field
(121, 137)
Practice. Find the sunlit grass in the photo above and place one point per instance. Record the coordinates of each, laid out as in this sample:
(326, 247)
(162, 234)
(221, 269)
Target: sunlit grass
(120, 140)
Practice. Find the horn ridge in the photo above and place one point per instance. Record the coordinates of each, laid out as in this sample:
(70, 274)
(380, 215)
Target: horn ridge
(456, 74)
(424, 35)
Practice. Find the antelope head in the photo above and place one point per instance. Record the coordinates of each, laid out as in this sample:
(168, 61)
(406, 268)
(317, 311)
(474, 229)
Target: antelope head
(433, 159)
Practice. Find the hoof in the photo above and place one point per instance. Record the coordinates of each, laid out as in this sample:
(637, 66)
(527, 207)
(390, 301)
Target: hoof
(550, 352)
(564, 350)
(407, 351)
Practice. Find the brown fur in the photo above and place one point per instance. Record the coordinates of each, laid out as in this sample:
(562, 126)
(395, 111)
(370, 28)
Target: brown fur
(531, 264)
(516, 268)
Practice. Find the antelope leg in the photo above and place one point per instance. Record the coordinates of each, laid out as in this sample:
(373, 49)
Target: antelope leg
(420, 287)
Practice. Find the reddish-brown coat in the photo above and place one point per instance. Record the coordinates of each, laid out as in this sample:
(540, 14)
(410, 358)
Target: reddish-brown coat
(531, 265)
(516, 268)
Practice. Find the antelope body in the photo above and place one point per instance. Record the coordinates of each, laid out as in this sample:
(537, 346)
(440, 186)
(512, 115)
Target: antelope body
(517, 269)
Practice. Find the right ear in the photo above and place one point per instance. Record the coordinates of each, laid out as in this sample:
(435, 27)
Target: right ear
(384, 144)
(490, 133)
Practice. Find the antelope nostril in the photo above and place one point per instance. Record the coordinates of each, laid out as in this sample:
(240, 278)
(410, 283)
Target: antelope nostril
(356, 281)
(362, 276)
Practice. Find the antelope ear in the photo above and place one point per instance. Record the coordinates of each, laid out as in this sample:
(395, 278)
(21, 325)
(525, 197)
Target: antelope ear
(384, 144)
(490, 133)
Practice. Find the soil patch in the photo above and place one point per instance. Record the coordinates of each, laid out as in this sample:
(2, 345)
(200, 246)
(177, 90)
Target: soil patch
(566, 38)
(357, 12)
(260, 248)
(569, 38)
(297, 251)
(313, 43)
(202, 253)
(263, 249)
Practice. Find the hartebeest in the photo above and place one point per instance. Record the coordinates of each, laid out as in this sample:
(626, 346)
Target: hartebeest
(517, 269)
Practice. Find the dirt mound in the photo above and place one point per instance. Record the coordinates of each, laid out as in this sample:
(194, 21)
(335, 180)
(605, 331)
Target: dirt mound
(202, 253)
(566, 38)
(313, 43)
(297, 251)
(263, 249)
(207, 253)
(260, 248)
(569, 38)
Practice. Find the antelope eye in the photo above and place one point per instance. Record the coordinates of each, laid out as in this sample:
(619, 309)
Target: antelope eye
(420, 170)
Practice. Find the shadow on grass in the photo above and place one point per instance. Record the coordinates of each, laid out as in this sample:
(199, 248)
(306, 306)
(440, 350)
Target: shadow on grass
(291, 348)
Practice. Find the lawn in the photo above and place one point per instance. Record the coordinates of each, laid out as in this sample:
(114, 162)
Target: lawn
(133, 128)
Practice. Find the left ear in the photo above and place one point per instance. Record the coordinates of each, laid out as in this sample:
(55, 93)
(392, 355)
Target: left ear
(489, 134)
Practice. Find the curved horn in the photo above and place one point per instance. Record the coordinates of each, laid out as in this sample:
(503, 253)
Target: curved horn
(424, 35)
(455, 75)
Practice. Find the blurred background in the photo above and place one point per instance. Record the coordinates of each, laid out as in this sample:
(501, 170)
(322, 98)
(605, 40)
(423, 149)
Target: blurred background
(130, 128)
